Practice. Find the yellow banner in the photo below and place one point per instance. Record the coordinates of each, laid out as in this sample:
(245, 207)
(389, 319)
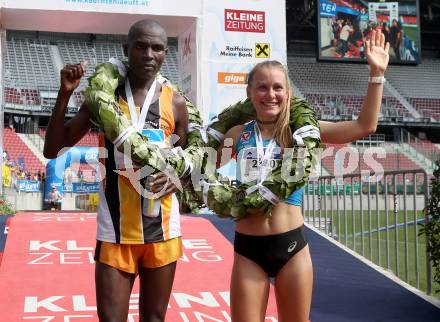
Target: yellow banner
(6, 173)
(93, 199)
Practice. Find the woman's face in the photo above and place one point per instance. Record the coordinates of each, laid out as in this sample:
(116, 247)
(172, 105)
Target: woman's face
(268, 92)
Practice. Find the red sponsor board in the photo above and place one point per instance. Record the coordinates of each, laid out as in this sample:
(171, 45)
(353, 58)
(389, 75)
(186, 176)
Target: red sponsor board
(48, 272)
(245, 21)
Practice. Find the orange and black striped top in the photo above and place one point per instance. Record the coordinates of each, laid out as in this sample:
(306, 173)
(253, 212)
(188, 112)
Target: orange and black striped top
(124, 215)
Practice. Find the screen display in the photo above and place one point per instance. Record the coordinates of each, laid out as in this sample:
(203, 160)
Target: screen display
(345, 25)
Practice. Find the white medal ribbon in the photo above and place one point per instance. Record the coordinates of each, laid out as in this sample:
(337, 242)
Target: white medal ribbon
(123, 136)
(263, 157)
(264, 192)
(304, 132)
(263, 164)
(215, 134)
(119, 65)
(162, 80)
(138, 123)
(201, 129)
(205, 189)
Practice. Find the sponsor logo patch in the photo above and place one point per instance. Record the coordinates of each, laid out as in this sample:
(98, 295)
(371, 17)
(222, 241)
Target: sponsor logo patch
(246, 135)
(245, 21)
(262, 50)
(232, 78)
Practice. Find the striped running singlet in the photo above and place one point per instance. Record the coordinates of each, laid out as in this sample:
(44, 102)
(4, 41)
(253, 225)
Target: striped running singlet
(124, 216)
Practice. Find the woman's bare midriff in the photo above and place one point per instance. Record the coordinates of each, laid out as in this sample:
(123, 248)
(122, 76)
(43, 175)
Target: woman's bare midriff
(284, 217)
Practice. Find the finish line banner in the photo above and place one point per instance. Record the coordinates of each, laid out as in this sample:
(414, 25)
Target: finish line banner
(237, 35)
(154, 7)
(48, 272)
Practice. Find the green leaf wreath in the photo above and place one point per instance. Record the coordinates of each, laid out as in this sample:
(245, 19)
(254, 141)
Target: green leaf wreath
(224, 199)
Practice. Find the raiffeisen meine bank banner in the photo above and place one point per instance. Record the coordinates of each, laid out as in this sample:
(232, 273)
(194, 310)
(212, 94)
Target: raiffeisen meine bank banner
(236, 36)
(155, 7)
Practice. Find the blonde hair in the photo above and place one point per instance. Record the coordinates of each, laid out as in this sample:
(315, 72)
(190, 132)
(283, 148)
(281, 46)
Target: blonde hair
(282, 133)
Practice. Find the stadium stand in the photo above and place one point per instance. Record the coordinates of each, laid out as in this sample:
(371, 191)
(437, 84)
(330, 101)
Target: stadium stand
(73, 52)
(90, 139)
(29, 65)
(421, 86)
(18, 151)
(348, 80)
(394, 159)
(336, 90)
(31, 69)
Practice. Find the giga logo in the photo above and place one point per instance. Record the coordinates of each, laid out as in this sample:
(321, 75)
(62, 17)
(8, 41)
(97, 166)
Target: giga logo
(245, 21)
(232, 78)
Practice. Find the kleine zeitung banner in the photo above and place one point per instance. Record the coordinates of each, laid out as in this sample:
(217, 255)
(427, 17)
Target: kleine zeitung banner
(236, 36)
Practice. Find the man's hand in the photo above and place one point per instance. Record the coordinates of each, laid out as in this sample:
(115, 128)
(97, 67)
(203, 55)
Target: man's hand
(71, 76)
(160, 183)
(376, 52)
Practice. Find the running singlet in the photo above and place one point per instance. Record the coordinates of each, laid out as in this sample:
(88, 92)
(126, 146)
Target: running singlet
(124, 216)
(247, 164)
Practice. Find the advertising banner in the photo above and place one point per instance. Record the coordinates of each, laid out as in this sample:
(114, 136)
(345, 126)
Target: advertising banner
(155, 7)
(187, 51)
(6, 175)
(85, 187)
(236, 36)
(49, 248)
(81, 187)
(28, 185)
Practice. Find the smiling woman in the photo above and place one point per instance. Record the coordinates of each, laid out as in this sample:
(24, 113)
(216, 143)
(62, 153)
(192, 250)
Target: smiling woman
(270, 96)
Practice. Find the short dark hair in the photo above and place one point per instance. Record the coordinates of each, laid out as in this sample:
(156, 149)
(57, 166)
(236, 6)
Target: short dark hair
(141, 25)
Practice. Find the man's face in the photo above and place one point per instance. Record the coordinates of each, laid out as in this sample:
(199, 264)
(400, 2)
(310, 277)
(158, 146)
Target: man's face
(146, 52)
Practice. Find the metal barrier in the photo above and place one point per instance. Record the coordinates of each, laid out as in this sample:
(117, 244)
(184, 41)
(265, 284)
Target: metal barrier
(379, 217)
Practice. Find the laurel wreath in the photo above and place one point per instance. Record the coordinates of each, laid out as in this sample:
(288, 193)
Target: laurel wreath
(223, 198)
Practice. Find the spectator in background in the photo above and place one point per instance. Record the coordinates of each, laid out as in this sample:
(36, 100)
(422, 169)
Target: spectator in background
(336, 30)
(54, 198)
(386, 31)
(43, 181)
(5, 155)
(80, 175)
(68, 175)
(356, 40)
(345, 33)
(396, 37)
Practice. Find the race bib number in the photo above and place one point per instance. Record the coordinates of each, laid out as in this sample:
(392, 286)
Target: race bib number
(249, 165)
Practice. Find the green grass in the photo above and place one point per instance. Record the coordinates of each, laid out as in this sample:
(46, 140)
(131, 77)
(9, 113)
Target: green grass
(373, 246)
(412, 33)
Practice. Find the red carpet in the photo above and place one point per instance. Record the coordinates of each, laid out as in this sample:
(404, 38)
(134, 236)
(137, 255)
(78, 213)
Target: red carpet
(47, 272)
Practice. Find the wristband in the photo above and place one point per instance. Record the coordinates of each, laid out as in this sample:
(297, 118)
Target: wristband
(376, 79)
